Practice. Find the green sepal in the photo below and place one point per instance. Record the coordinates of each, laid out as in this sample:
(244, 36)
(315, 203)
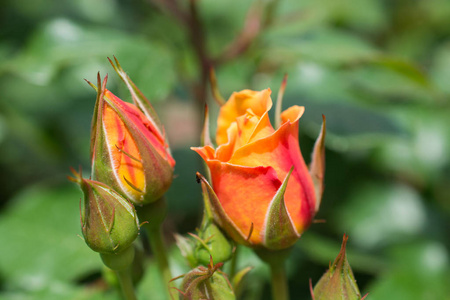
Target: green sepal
(317, 167)
(101, 164)
(338, 283)
(279, 232)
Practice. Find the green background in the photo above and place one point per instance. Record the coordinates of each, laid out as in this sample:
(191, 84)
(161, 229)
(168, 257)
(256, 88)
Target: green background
(379, 71)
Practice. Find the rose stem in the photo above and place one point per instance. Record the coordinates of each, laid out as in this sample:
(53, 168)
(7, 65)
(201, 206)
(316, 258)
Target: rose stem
(126, 284)
(159, 251)
(155, 213)
(280, 289)
(276, 261)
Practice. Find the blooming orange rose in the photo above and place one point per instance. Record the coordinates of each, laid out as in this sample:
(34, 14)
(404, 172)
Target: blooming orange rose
(129, 151)
(250, 173)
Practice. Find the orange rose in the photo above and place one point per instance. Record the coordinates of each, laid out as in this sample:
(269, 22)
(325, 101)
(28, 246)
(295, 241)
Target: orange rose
(266, 195)
(128, 148)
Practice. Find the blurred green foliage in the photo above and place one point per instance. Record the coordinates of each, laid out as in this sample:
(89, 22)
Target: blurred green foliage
(379, 71)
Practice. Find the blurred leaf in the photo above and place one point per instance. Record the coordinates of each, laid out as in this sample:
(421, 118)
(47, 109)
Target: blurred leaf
(422, 153)
(57, 291)
(440, 71)
(151, 286)
(323, 251)
(60, 42)
(40, 229)
(419, 271)
(387, 80)
(380, 214)
(363, 15)
(405, 68)
(328, 46)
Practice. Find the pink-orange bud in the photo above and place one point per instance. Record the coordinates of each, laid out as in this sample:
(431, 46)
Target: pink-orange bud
(128, 148)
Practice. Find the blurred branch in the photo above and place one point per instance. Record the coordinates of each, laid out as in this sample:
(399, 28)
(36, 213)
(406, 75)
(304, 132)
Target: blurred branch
(251, 29)
(199, 43)
(259, 16)
(173, 7)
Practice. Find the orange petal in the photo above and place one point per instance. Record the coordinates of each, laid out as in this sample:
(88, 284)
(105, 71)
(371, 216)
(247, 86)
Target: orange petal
(292, 114)
(225, 151)
(262, 129)
(245, 194)
(246, 124)
(237, 105)
(120, 144)
(281, 151)
(207, 152)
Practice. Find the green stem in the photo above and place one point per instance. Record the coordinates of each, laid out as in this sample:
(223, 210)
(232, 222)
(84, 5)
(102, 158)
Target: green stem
(159, 251)
(121, 263)
(280, 289)
(233, 263)
(126, 284)
(276, 260)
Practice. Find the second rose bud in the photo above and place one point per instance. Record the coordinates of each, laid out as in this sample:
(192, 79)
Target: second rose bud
(128, 148)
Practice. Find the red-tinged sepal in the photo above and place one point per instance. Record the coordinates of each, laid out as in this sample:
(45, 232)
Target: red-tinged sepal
(205, 138)
(215, 88)
(279, 230)
(338, 283)
(109, 221)
(220, 216)
(138, 98)
(97, 138)
(317, 167)
(280, 102)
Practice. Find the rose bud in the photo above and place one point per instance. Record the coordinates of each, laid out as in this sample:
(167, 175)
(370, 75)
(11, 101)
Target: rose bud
(263, 194)
(109, 222)
(206, 283)
(338, 283)
(128, 147)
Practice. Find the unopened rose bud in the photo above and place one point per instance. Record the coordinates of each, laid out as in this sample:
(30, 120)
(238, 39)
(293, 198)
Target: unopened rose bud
(128, 146)
(109, 222)
(206, 283)
(338, 283)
